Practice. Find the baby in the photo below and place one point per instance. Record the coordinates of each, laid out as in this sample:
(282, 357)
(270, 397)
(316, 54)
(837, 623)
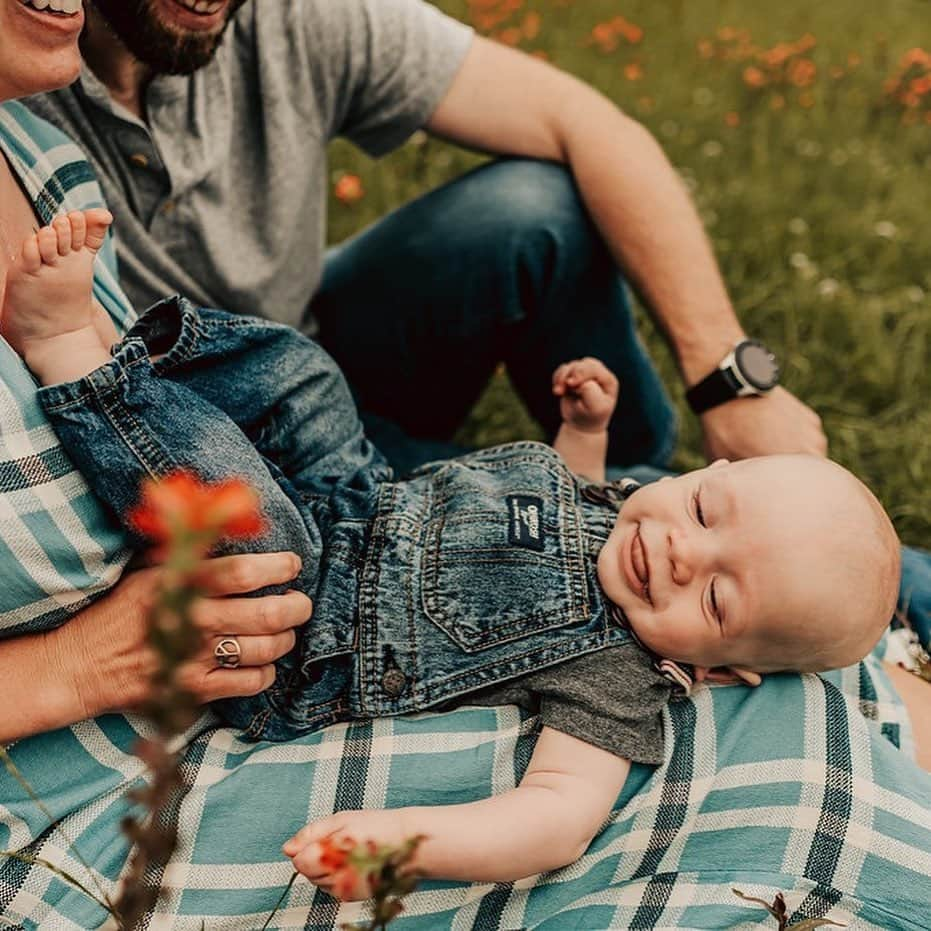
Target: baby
(497, 577)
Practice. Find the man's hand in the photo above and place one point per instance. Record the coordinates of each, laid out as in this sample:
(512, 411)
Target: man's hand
(776, 423)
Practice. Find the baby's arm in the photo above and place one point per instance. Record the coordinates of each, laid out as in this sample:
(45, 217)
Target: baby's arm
(547, 822)
(588, 394)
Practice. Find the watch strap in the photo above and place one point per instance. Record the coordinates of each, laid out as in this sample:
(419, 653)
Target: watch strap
(714, 389)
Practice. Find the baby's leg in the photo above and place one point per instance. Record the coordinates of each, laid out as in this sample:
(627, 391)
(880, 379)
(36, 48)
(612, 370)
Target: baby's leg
(48, 310)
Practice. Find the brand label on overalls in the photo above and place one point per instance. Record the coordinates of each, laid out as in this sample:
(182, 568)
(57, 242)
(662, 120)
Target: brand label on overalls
(525, 521)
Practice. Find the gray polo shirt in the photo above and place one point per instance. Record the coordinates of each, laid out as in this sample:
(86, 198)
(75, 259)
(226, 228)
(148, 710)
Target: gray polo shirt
(221, 193)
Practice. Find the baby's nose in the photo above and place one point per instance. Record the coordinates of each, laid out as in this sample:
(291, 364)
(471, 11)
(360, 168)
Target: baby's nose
(683, 556)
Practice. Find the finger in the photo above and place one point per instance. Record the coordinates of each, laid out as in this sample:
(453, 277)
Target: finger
(311, 832)
(233, 683)
(584, 369)
(590, 393)
(559, 379)
(47, 239)
(78, 229)
(253, 651)
(269, 614)
(62, 227)
(236, 575)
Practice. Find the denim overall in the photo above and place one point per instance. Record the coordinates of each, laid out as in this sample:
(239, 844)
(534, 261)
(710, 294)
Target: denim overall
(470, 572)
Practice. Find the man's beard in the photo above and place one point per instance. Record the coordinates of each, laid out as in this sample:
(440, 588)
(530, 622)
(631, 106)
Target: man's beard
(163, 49)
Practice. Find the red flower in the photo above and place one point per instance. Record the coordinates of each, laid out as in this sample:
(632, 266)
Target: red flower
(181, 504)
(348, 189)
(334, 854)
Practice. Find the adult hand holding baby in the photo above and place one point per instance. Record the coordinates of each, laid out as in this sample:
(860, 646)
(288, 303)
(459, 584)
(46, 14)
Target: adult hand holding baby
(100, 661)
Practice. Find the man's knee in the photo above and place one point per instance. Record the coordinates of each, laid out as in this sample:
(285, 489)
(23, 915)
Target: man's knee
(537, 202)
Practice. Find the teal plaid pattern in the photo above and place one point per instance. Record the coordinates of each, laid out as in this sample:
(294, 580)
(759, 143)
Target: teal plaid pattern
(796, 786)
(58, 548)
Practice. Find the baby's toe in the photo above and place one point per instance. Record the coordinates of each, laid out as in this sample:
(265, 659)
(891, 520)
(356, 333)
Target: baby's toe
(47, 239)
(98, 222)
(30, 259)
(62, 227)
(78, 229)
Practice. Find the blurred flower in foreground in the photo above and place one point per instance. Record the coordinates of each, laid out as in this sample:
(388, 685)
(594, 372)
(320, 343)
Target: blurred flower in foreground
(186, 518)
(360, 870)
(348, 188)
(180, 508)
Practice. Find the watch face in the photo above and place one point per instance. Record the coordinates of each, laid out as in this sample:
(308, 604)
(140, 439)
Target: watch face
(757, 364)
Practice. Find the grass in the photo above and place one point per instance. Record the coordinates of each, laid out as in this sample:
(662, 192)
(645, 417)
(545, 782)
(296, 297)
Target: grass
(814, 192)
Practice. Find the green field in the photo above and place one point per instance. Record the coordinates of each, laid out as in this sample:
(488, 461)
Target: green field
(811, 172)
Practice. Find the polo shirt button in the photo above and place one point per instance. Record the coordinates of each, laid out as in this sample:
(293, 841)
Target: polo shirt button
(139, 159)
(393, 682)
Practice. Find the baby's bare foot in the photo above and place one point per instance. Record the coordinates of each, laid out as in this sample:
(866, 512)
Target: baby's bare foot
(48, 305)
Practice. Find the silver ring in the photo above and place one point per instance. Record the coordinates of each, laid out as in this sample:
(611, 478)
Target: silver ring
(228, 653)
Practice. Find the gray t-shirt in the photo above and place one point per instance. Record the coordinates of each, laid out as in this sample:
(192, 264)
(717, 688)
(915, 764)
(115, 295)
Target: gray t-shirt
(221, 194)
(612, 699)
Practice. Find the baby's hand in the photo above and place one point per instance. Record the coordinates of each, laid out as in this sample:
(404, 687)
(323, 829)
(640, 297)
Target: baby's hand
(588, 392)
(321, 851)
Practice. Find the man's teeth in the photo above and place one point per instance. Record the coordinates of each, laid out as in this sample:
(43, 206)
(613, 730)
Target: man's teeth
(68, 7)
(202, 6)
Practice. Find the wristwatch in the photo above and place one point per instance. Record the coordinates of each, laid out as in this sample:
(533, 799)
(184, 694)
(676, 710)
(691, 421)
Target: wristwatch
(748, 369)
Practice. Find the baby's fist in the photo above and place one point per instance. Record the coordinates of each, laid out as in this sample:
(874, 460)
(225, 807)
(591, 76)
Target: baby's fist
(588, 391)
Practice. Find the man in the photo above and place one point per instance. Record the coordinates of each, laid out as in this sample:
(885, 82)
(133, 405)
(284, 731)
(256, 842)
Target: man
(208, 126)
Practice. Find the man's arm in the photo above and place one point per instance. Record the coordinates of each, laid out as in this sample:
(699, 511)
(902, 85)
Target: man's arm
(547, 822)
(506, 102)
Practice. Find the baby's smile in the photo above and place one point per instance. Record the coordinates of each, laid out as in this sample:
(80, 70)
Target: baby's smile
(636, 565)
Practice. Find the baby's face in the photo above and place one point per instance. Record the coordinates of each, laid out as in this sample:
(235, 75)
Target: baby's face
(716, 565)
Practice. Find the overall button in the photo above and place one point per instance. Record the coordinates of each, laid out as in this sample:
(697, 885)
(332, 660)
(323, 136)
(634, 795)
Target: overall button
(393, 682)
(139, 159)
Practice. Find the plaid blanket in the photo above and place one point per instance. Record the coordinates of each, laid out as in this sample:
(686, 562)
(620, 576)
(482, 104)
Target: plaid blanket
(795, 786)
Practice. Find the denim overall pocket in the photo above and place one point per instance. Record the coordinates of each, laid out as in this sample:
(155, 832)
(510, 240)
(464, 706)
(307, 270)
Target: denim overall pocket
(503, 555)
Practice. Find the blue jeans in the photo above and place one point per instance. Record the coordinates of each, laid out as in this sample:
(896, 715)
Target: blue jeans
(500, 265)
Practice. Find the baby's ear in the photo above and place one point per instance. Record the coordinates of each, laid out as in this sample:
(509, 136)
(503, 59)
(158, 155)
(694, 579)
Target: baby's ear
(727, 675)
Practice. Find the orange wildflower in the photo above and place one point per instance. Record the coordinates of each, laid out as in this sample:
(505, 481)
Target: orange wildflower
(182, 505)
(732, 118)
(802, 72)
(630, 31)
(348, 188)
(511, 36)
(753, 77)
(705, 48)
(633, 71)
(916, 56)
(531, 25)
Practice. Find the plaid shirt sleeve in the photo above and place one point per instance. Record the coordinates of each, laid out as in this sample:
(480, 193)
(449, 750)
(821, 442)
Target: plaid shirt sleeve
(59, 548)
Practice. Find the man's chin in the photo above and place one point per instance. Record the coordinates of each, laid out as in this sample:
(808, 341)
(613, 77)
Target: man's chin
(157, 43)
